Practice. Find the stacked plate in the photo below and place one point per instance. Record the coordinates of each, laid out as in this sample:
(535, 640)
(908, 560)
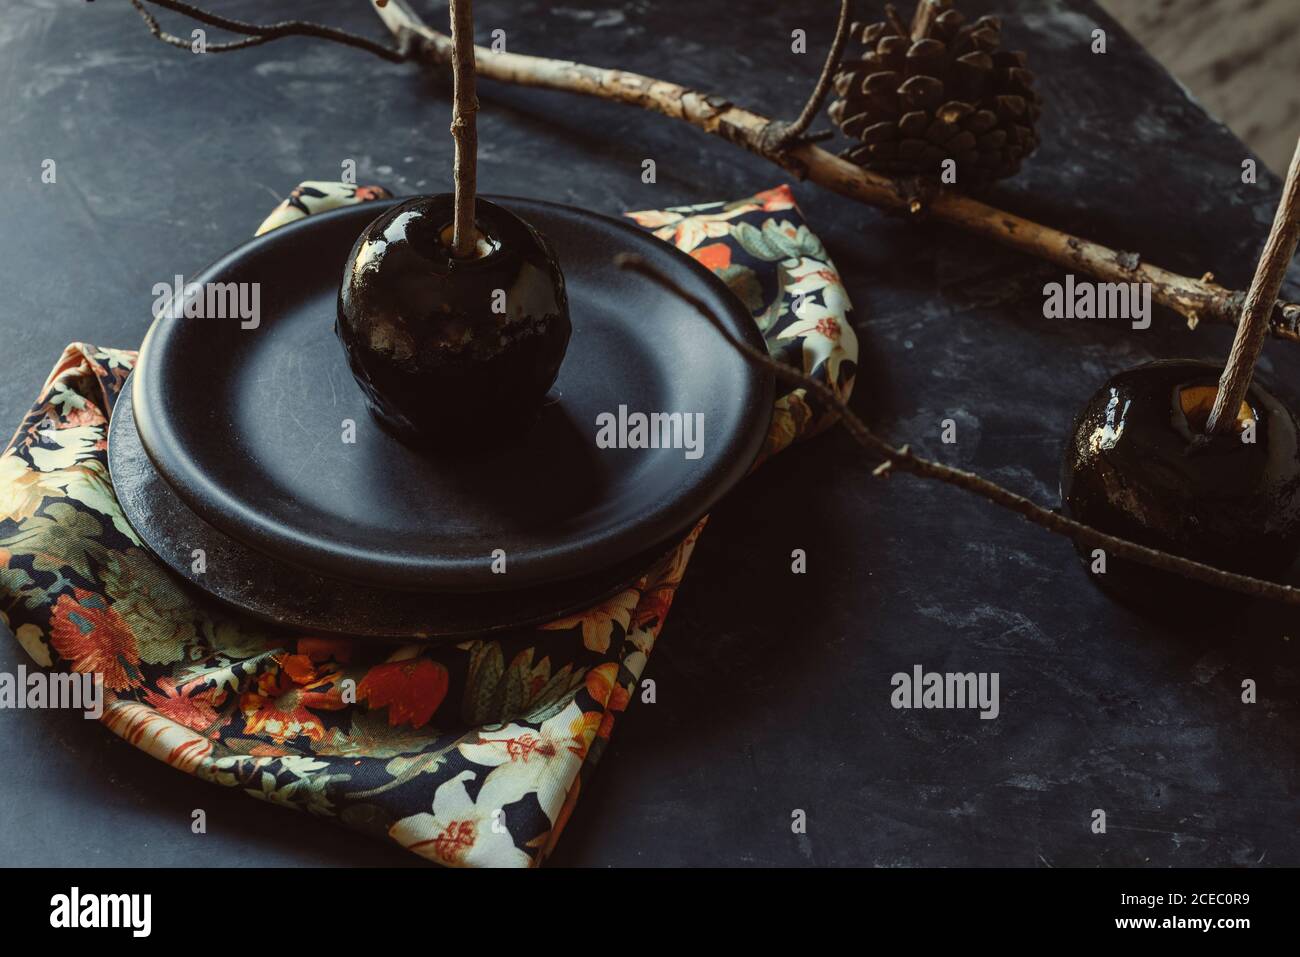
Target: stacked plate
(243, 454)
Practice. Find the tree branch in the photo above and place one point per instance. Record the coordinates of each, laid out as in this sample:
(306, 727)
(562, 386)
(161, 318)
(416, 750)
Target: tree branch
(903, 460)
(1196, 300)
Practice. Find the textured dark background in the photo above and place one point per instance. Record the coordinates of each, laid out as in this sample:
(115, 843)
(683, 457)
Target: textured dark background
(773, 689)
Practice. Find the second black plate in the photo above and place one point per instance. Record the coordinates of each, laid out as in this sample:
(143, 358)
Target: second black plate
(249, 424)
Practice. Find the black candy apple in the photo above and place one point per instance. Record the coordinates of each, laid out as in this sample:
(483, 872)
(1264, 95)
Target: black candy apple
(1140, 465)
(445, 346)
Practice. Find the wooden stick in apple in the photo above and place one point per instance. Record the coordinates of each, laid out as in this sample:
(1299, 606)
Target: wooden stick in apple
(464, 128)
(1258, 307)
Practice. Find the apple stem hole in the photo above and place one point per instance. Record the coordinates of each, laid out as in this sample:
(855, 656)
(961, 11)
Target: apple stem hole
(1197, 401)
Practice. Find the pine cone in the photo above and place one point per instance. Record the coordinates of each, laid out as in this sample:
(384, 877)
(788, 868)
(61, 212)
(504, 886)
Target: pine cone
(938, 90)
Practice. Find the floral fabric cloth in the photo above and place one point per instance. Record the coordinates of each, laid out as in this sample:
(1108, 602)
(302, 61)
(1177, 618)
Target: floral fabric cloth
(469, 754)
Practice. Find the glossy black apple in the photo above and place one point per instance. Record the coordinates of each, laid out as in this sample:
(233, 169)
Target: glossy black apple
(447, 347)
(1140, 466)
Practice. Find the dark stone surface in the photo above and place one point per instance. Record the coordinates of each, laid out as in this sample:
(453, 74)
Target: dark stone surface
(773, 689)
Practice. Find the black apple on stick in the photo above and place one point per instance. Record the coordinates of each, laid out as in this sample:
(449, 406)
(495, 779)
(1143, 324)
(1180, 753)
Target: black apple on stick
(452, 311)
(1193, 459)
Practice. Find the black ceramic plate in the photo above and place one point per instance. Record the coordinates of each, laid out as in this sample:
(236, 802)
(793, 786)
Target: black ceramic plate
(295, 598)
(246, 424)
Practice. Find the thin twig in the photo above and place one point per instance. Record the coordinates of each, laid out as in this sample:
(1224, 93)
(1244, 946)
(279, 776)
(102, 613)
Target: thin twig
(902, 459)
(791, 133)
(257, 33)
(1279, 248)
(464, 128)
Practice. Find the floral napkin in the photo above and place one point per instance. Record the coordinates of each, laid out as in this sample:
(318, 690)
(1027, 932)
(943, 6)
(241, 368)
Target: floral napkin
(469, 754)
